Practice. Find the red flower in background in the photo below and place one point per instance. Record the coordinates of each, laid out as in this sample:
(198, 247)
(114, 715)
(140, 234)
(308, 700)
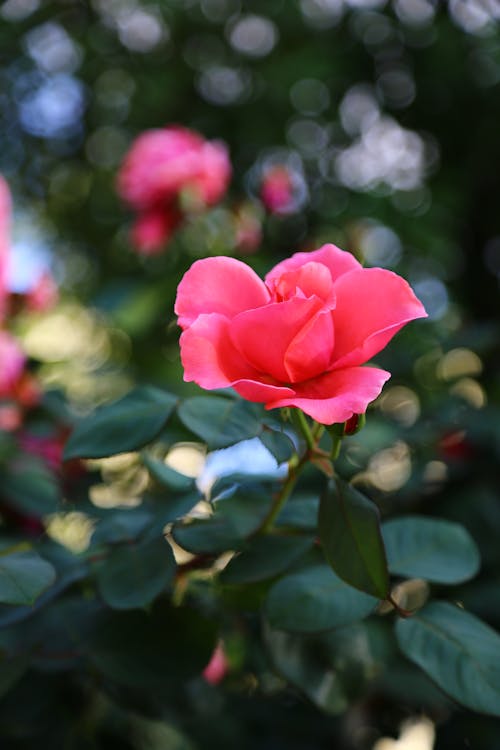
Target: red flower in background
(277, 189)
(164, 170)
(12, 361)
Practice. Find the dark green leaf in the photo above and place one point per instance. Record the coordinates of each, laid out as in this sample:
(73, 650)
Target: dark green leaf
(169, 508)
(31, 487)
(122, 525)
(23, 577)
(301, 512)
(69, 568)
(124, 425)
(439, 551)
(134, 574)
(153, 650)
(331, 669)
(11, 670)
(314, 600)
(458, 651)
(265, 557)
(234, 519)
(220, 422)
(294, 659)
(278, 443)
(349, 528)
(166, 475)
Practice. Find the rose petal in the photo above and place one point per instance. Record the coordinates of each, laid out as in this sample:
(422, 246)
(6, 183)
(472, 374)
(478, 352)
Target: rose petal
(264, 335)
(311, 351)
(372, 306)
(218, 285)
(259, 392)
(208, 355)
(336, 260)
(311, 278)
(336, 396)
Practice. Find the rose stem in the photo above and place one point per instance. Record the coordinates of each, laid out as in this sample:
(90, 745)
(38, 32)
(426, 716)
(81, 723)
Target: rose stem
(295, 466)
(304, 428)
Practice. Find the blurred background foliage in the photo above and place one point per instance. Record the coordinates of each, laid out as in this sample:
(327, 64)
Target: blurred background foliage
(386, 114)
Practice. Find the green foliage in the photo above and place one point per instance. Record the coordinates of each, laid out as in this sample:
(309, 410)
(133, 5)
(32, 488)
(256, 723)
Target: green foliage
(134, 574)
(233, 520)
(24, 575)
(459, 652)
(220, 422)
(125, 425)
(436, 550)
(30, 487)
(265, 557)
(152, 651)
(349, 528)
(315, 599)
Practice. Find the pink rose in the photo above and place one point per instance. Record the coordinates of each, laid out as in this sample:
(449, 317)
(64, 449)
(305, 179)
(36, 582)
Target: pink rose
(162, 163)
(217, 667)
(277, 190)
(300, 338)
(47, 447)
(12, 361)
(153, 229)
(164, 169)
(43, 295)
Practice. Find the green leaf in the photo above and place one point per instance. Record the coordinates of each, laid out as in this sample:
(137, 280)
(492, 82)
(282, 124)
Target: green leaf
(314, 600)
(169, 508)
(278, 443)
(301, 511)
(122, 525)
(69, 568)
(349, 528)
(134, 574)
(167, 476)
(23, 577)
(265, 557)
(458, 651)
(436, 550)
(153, 650)
(331, 669)
(31, 487)
(220, 422)
(295, 660)
(11, 671)
(234, 520)
(124, 425)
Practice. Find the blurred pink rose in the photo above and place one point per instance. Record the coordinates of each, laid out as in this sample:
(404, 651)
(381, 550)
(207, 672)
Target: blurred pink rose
(43, 295)
(217, 667)
(153, 229)
(47, 447)
(277, 190)
(11, 417)
(164, 169)
(300, 338)
(12, 361)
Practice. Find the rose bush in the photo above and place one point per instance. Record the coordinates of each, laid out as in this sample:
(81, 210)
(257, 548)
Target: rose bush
(163, 166)
(300, 338)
